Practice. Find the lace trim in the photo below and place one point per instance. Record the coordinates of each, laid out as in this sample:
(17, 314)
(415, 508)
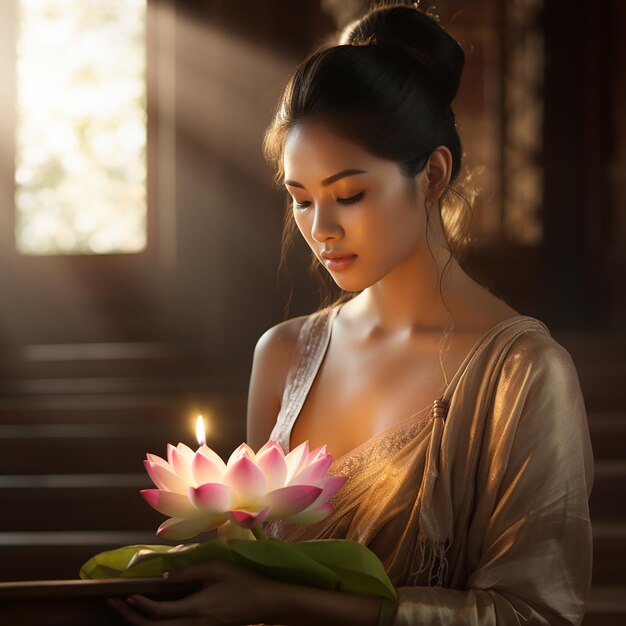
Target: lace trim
(311, 346)
(382, 446)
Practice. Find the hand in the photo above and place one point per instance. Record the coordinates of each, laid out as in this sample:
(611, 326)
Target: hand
(234, 596)
(230, 595)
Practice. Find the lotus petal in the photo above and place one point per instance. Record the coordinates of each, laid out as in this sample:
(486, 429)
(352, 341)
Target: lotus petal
(247, 481)
(186, 451)
(153, 458)
(312, 515)
(170, 449)
(168, 503)
(243, 450)
(212, 456)
(288, 501)
(248, 519)
(272, 462)
(212, 497)
(179, 463)
(316, 454)
(176, 528)
(311, 474)
(330, 486)
(205, 470)
(270, 444)
(164, 478)
(296, 458)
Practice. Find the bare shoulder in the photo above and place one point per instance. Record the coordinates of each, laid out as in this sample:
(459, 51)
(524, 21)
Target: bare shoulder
(272, 357)
(276, 346)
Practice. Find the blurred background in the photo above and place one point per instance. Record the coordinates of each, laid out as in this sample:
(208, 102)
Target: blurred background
(140, 237)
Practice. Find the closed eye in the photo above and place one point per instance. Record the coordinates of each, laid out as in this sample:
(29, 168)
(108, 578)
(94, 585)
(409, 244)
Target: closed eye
(351, 200)
(305, 205)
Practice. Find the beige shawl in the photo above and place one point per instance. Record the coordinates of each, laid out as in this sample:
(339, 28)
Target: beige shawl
(477, 508)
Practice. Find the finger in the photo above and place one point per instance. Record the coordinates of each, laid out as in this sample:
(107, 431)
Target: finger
(136, 619)
(190, 606)
(129, 616)
(214, 571)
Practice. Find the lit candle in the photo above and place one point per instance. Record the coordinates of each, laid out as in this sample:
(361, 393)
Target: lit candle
(200, 434)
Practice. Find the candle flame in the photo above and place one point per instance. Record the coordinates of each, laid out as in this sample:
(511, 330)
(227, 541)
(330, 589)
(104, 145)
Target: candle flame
(200, 433)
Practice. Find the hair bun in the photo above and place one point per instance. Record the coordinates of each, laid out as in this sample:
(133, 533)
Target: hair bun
(413, 30)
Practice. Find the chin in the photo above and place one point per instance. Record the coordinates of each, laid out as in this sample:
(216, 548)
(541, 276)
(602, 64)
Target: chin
(350, 283)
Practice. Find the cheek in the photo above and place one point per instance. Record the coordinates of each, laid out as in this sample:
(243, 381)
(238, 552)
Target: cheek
(404, 229)
(302, 224)
(398, 226)
(394, 239)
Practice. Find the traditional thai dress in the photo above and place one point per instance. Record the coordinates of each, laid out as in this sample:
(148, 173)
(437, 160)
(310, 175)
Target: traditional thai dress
(477, 505)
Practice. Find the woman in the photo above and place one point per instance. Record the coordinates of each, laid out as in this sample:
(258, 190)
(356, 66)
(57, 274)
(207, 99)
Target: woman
(477, 503)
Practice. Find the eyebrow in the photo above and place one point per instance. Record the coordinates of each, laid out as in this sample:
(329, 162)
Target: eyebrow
(330, 179)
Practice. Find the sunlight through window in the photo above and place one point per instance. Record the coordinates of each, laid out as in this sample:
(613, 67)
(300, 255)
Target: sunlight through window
(80, 170)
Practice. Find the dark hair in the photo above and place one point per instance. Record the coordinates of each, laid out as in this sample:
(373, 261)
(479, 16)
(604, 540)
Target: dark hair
(388, 87)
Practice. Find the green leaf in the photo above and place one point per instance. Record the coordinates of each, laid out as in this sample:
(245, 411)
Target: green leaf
(358, 568)
(213, 550)
(283, 561)
(326, 563)
(140, 561)
(112, 563)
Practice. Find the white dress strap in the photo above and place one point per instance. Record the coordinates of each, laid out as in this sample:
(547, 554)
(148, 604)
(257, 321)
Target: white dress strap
(311, 346)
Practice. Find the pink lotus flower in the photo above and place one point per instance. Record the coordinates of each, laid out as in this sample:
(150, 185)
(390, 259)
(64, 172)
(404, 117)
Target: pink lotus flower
(199, 492)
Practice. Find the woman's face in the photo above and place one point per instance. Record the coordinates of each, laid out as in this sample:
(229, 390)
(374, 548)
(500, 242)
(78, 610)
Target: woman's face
(352, 208)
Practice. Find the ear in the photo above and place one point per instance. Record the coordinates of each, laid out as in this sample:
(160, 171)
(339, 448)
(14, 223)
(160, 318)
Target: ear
(438, 171)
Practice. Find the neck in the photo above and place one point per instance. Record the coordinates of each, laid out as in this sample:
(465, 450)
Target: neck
(414, 295)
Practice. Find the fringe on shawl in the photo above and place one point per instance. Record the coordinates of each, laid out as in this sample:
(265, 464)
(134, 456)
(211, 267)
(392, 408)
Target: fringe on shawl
(432, 558)
(432, 553)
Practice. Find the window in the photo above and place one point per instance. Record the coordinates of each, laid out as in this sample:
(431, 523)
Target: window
(81, 120)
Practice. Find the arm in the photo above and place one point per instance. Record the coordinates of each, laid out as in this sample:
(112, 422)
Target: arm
(529, 540)
(270, 365)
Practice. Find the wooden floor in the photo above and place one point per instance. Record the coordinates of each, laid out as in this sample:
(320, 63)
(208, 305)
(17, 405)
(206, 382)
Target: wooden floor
(55, 517)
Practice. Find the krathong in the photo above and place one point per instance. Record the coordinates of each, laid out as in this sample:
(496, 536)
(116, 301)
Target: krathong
(199, 492)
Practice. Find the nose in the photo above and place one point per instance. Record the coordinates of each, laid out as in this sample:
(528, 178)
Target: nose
(325, 225)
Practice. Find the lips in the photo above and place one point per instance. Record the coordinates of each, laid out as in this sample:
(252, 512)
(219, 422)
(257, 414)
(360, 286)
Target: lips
(336, 255)
(337, 261)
